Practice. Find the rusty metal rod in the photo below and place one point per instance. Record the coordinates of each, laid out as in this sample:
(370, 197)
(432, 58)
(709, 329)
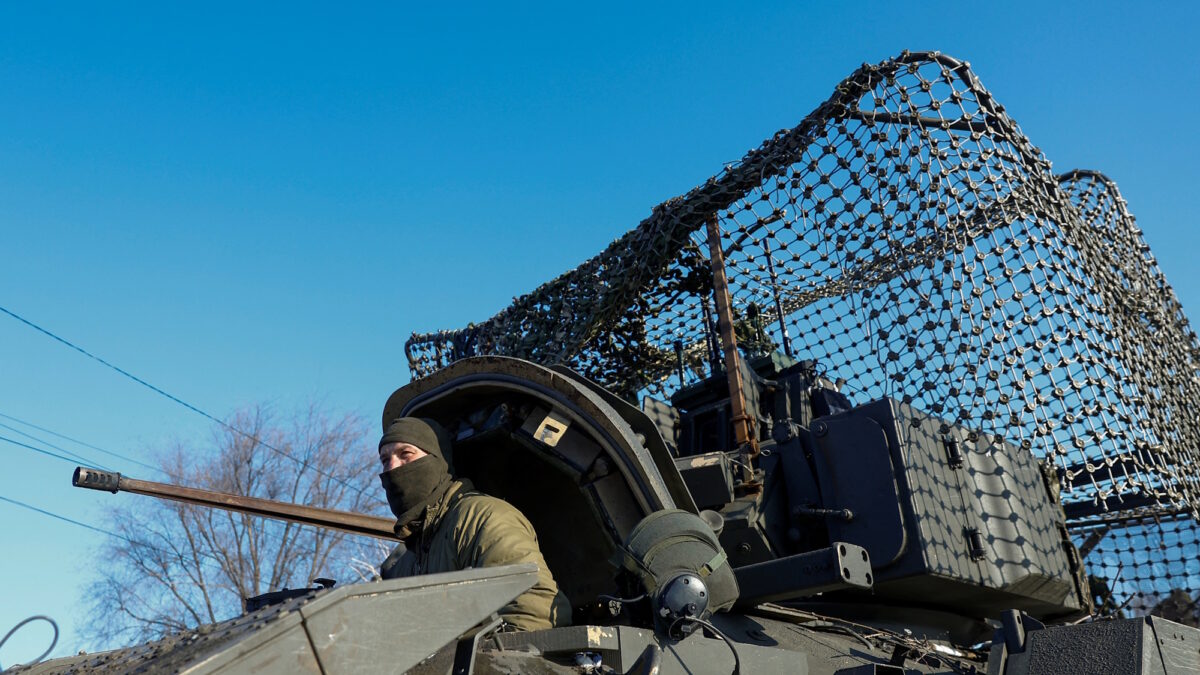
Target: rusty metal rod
(742, 429)
(354, 523)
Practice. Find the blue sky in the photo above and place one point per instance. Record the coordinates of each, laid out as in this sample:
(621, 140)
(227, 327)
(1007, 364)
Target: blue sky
(260, 203)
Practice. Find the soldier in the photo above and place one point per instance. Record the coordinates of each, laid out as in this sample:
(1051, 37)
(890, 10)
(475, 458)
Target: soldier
(447, 526)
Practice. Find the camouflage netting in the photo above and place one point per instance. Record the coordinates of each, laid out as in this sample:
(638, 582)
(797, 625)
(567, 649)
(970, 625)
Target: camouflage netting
(909, 238)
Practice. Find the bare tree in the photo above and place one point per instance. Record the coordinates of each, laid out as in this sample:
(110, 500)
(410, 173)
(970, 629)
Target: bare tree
(179, 566)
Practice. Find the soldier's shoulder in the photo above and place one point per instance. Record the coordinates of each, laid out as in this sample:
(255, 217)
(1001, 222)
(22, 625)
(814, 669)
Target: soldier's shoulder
(479, 501)
(481, 508)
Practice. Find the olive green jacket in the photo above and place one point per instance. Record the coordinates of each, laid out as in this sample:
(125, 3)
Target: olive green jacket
(470, 529)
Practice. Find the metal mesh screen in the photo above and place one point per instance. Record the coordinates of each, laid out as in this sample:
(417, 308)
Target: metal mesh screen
(909, 238)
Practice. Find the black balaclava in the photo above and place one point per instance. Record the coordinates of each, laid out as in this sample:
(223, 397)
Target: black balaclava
(416, 485)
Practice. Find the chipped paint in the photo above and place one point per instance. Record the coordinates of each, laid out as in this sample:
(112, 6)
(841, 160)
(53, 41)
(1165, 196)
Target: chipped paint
(596, 635)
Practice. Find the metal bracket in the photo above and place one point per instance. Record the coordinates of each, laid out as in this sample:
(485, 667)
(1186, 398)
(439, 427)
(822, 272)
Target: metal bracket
(468, 644)
(841, 565)
(549, 430)
(954, 455)
(648, 663)
(974, 543)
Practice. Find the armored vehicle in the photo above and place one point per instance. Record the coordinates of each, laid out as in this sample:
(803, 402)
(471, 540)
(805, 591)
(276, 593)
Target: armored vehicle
(885, 396)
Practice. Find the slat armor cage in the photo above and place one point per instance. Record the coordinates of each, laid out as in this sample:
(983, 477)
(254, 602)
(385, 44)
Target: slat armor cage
(910, 239)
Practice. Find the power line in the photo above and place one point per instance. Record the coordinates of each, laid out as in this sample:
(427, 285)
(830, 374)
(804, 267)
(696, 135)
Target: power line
(180, 401)
(170, 554)
(92, 356)
(76, 440)
(76, 455)
(66, 519)
(93, 528)
(72, 460)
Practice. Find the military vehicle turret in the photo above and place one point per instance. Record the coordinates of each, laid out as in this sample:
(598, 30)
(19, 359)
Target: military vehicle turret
(915, 403)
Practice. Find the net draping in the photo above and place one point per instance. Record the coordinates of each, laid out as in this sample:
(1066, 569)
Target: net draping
(910, 239)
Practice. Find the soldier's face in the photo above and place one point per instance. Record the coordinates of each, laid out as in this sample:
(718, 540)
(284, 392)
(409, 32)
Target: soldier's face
(396, 455)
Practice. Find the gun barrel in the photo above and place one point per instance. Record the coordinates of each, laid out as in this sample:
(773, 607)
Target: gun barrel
(346, 521)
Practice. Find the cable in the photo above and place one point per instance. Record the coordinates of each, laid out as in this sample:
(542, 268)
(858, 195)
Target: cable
(623, 601)
(129, 540)
(180, 401)
(92, 356)
(737, 661)
(93, 528)
(55, 455)
(844, 630)
(922, 647)
(69, 520)
(53, 624)
(64, 518)
(76, 455)
(83, 443)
